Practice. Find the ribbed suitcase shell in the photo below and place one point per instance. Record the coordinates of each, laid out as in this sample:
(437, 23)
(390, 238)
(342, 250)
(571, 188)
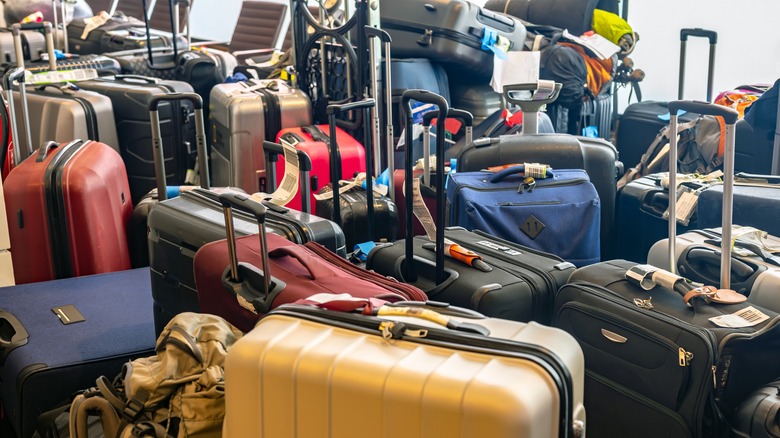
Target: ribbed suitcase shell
(296, 377)
(70, 213)
(240, 120)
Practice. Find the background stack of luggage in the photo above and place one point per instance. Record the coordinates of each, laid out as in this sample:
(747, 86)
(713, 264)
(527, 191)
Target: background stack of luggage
(393, 235)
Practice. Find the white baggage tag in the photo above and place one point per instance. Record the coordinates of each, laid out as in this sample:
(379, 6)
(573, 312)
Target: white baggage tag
(54, 77)
(288, 187)
(747, 317)
(518, 68)
(687, 199)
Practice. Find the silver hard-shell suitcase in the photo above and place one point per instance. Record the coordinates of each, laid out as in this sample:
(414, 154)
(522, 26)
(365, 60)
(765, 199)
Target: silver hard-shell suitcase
(308, 372)
(243, 115)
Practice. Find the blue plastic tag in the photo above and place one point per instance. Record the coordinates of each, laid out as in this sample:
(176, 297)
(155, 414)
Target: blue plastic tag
(173, 191)
(490, 42)
(590, 131)
(384, 178)
(667, 116)
(418, 109)
(362, 250)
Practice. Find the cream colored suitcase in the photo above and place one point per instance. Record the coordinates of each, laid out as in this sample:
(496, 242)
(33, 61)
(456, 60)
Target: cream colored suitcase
(306, 372)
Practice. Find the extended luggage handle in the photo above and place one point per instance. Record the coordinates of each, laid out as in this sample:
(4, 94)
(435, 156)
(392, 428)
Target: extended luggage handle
(157, 145)
(466, 117)
(332, 111)
(240, 277)
(429, 97)
(17, 75)
(531, 107)
(730, 117)
(712, 36)
(374, 60)
(16, 32)
(274, 150)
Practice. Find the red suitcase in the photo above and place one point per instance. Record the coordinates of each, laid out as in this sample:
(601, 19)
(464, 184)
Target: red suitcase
(315, 142)
(70, 210)
(242, 294)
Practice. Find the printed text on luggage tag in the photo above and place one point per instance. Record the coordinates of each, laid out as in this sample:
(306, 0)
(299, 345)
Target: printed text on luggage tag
(747, 317)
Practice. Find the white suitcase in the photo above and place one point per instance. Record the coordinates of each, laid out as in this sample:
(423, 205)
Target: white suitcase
(698, 258)
(308, 372)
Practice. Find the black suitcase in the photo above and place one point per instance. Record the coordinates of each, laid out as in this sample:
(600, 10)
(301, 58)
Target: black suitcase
(640, 122)
(757, 416)
(511, 281)
(119, 33)
(754, 206)
(596, 156)
(48, 353)
(449, 32)
(130, 95)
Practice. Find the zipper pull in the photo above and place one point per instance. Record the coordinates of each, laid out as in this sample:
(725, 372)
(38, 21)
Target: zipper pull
(684, 357)
(714, 377)
(426, 39)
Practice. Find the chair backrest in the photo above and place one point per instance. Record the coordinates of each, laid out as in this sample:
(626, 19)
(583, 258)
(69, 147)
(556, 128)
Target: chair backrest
(101, 5)
(160, 17)
(260, 24)
(132, 8)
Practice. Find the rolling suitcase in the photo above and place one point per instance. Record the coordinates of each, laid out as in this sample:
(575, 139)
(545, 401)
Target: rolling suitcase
(119, 32)
(458, 33)
(492, 276)
(641, 121)
(130, 97)
(756, 416)
(756, 203)
(176, 228)
(689, 353)
(71, 205)
(244, 115)
(59, 336)
(512, 379)
(597, 157)
(242, 294)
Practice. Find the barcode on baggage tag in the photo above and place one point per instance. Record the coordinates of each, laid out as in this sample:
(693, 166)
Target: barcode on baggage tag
(51, 77)
(747, 317)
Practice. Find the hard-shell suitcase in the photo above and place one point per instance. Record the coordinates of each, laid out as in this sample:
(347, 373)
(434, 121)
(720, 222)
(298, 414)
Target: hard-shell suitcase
(756, 416)
(231, 286)
(640, 122)
(71, 209)
(455, 33)
(366, 373)
(315, 141)
(597, 157)
(60, 336)
(245, 114)
(688, 353)
(130, 97)
(490, 275)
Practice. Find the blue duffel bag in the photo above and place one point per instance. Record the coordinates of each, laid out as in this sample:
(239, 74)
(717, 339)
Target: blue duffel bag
(559, 214)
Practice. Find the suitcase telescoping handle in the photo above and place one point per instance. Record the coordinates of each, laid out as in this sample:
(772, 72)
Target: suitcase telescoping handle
(700, 33)
(530, 107)
(424, 96)
(730, 117)
(466, 117)
(17, 75)
(274, 150)
(332, 111)
(157, 146)
(374, 60)
(16, 32)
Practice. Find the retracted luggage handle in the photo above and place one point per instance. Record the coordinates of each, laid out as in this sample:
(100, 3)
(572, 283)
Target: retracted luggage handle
(429, 97)
(157, 146)
(332, 111)
(374, 60)
(466, 117)
(17, 75)
(701, 33)
(273, 150)
(730, 117)
(530, 107)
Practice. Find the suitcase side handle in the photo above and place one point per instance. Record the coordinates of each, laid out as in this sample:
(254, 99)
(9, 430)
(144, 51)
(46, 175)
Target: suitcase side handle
(12, 334)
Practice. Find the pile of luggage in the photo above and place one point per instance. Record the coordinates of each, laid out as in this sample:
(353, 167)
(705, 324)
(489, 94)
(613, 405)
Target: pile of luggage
(349, 227)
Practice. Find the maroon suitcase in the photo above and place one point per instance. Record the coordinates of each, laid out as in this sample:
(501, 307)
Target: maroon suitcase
(69, 210)
(242, 294)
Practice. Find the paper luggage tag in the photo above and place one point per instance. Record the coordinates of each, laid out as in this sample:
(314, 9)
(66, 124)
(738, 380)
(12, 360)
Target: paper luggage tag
(517, 68)
(687, 199)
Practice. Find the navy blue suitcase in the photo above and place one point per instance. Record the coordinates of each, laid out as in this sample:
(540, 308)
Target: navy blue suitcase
(44, 359)
(559, 214)
(757, 207)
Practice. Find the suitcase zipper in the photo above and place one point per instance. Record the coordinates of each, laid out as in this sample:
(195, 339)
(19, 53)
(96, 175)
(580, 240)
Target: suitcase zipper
(90, 117)
(409, 292)
(522, 204)
(641, 399)
(431, 32)
(684, 357)
(540, 185)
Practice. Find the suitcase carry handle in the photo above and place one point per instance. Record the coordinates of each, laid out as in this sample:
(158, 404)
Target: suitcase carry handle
(531, 107)
(146, 79)
(16, 32)
(384, 37)
(332, 111)
(157, 145)
(730, 116)
(12, 334)
(425, 96)
(519, 169)
(703, 33)
(433, 316)
(466, 117)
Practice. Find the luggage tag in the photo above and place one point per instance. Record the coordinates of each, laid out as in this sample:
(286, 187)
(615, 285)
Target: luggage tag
(57, 77)
(418, 110)
(288, 187)
(687, 199)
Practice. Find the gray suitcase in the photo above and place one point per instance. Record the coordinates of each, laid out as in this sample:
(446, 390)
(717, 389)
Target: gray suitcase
(243, 115)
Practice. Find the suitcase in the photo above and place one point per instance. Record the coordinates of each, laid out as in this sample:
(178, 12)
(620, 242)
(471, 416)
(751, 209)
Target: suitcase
(639, 218)
(574, 15)
(177, 227)
(557, 212)
(597, 157)
(523, 380)
(756, 416)
(244, 115)
(71, 202)
(49, 353)
(118, 33)
(492, 276)
(130, 97)
(33, 45)
(242, 294)
(450, 32)
(480, 100)
(685, 361)
(640, 122)
(313, 140)
(756, 206)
